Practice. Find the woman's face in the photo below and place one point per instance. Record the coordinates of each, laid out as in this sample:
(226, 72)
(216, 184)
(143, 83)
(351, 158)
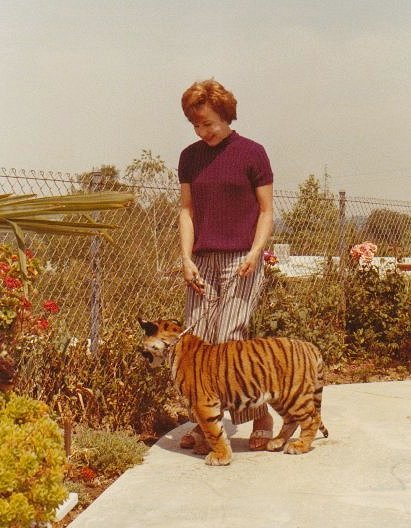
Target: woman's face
(209, 126)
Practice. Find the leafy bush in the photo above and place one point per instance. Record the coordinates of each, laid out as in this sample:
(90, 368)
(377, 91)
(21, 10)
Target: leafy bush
(364, 312)
(14, 305)
(18, 319)
(303, 308)
(32, 463)
(377, 310)
(114, 388)
(105, 452)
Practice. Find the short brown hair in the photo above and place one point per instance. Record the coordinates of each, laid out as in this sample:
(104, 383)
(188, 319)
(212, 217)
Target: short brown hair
(209, 92)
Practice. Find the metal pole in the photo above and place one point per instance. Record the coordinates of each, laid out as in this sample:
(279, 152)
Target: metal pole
(96, 276)
(341, 230)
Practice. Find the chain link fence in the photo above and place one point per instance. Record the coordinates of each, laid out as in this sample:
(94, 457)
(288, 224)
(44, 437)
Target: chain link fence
(100, 285)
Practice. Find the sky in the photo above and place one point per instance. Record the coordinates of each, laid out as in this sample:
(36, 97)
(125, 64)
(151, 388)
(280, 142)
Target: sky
(324, 85)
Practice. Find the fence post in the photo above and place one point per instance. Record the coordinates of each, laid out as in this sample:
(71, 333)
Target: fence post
(95, 184)
(341, 230)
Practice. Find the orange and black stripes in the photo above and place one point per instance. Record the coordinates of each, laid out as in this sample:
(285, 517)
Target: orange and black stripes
(285, 372)
(242, 375)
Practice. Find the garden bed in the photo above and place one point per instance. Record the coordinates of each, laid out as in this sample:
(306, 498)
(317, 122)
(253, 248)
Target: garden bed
(354, 371)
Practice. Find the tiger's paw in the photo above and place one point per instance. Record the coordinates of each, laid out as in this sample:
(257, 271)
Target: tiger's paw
(275, 444)
(296, 447)
(213, 459)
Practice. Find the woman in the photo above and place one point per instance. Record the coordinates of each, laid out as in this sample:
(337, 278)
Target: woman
(226, 219)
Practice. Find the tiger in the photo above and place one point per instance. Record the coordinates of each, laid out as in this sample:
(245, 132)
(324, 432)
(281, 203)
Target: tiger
(286, 373)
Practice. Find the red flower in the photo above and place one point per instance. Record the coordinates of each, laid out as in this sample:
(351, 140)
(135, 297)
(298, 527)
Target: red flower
(51, 307)
(29, 253)
(25, 303)
(14, 258)
(87, 473)
(42, 323)
(4, 267)
(12, 283)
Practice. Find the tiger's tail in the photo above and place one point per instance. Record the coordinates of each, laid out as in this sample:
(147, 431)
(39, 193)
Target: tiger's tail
(318, 394)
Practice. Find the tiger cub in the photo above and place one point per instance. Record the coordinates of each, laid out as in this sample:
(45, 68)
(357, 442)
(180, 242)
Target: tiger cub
(286, 373)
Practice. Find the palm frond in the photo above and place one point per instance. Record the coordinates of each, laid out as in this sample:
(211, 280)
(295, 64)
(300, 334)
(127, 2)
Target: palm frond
(19, 213)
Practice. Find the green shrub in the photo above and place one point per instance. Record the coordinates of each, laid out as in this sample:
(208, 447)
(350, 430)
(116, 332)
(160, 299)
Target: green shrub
(377, 310)
(16, 310)
(32, 463)
(81, 489)
(105, 452)
(364, 313)
(303, 308)
(115, 388)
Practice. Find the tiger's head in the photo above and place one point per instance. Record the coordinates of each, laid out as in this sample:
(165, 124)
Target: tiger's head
(159, 335)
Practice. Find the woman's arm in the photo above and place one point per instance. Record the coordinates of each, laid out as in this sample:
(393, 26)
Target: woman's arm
(186, 226)
(263, 230)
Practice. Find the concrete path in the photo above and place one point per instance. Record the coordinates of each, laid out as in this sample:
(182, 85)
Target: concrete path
(360, 477)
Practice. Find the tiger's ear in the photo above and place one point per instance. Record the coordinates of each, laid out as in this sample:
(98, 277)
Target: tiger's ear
(177, 322)
(148, 327)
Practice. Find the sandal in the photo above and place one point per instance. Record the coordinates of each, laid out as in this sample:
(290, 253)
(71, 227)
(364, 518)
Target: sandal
(263, 436)
(201, 447)
(188, 440)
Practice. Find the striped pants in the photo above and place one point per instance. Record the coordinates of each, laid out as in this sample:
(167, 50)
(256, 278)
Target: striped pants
(224, 312)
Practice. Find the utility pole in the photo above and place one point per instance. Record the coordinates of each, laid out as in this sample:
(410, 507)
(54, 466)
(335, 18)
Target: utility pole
(326, 178)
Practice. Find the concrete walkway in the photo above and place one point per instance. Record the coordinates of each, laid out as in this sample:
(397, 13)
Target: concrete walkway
(360, 477)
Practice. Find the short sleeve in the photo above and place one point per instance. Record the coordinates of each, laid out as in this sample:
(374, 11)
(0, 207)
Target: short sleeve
(184, 173)
(260, 171)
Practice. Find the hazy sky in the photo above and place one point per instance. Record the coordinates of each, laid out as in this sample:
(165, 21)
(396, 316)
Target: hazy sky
(319, 83)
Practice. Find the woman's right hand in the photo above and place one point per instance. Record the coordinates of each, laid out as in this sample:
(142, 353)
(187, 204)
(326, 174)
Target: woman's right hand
(192, 276)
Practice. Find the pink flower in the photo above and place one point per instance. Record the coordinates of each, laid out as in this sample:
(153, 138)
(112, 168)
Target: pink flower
(364, 252)
(12, 283)
(270, 259)
(51, 306)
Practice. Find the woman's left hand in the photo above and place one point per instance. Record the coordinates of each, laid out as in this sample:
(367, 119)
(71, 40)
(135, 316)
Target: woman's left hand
(249, 264)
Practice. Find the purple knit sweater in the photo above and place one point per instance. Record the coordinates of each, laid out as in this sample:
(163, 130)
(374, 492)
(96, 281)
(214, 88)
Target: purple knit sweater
(223, 181)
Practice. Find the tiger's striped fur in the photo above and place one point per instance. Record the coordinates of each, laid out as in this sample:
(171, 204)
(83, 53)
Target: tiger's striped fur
(286, 373)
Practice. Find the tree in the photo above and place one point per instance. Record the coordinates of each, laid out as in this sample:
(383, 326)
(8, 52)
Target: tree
(150, 170)
(390, 230)
(151, 177)
(311, 227)
(106, 178)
